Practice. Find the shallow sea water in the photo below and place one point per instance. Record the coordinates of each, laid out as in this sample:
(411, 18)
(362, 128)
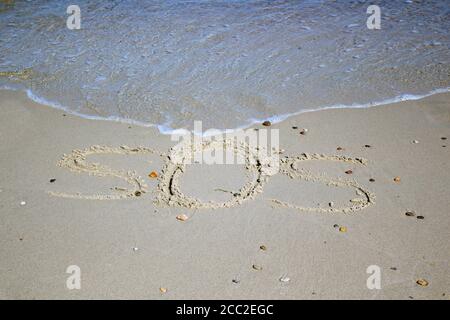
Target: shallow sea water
(226, 63)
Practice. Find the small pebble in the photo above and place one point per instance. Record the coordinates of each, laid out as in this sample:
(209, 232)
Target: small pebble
(372, 180)
(394, 268)
(182, 217)
(285, 279)
(349, 172)
(153, 175)
(263, 248)
(135, 249)
(331, 204)
(343, 229)
(295, 128)
(443, 138)
(52, 180)
(367, 146)
(339, 148)
(397, 179)
(420, 217)
(304, 131)
(410, 214)
(256, 267)
(162, 290)
(335, 226)
(236, 281)
(422, 282)
(23, 203)
(415, 141)
(267, 123)
(138, 193)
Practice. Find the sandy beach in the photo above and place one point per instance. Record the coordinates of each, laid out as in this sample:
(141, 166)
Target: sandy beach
(293, 247)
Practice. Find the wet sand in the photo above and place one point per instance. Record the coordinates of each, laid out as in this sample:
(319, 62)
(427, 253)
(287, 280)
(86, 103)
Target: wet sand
(283, 242)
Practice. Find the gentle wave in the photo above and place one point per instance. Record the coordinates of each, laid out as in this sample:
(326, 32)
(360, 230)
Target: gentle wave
(228, 63)
(163, 129)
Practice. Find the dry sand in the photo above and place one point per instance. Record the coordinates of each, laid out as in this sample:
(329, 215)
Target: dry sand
(129, 243)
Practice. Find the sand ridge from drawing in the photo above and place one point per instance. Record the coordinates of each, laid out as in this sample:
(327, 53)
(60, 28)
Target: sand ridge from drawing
(77, 162)
(259, 165)
(290, 166)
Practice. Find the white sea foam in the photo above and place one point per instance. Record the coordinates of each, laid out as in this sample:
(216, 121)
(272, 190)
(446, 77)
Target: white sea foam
(163, 129)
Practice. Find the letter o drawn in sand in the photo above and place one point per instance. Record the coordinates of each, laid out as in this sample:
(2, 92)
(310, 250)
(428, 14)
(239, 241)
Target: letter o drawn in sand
(258, 166)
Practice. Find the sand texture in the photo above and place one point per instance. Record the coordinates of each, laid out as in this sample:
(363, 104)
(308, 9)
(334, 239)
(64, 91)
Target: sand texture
(360, 187)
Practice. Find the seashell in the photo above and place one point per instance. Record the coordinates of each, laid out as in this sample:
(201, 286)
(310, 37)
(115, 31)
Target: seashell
(182, 217)
(153, 175)
(284, 279)
(22, 203)
(349, 172)
(420, 217)
(397, 179)
(162, 290)
(267, 123)
(257, 267)
(410, 214)
(263, 248)
(343, 229)
(422, 282)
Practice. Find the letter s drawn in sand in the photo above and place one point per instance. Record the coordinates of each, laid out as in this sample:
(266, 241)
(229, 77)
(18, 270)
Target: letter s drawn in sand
(290, 167)
(76, 162)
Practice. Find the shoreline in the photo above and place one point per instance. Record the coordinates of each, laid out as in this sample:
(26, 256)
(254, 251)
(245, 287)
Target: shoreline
(133, 247)
(163, 129)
